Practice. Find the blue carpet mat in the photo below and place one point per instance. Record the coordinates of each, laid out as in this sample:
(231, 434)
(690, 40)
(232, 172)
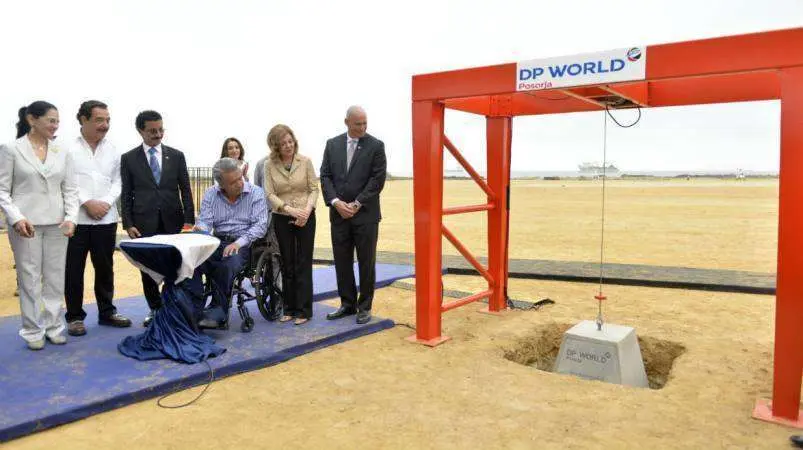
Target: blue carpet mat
(61, 384)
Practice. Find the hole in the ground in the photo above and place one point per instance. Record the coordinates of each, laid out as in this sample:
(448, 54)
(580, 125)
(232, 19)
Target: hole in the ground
(540, 348)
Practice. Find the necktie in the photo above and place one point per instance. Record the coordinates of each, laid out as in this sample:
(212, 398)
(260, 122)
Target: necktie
(155, 169)
(350, 148)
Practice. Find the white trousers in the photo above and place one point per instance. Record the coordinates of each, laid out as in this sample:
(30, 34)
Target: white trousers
(40, 273)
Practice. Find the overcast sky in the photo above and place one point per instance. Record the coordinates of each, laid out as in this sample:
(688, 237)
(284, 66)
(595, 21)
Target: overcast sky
(235, 68)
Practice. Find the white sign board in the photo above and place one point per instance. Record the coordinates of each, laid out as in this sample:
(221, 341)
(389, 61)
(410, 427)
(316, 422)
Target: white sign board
(624, 64)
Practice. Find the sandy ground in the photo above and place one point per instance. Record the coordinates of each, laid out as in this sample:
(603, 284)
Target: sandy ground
(382, 392)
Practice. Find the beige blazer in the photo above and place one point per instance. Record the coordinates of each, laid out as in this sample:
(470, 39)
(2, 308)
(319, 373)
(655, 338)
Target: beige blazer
(297, 188)
(44, 193)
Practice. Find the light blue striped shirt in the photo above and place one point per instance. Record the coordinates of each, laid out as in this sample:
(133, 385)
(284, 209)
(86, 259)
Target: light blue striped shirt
(246, 218)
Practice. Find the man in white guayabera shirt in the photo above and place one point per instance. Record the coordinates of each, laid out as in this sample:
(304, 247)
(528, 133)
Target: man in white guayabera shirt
(97, 166)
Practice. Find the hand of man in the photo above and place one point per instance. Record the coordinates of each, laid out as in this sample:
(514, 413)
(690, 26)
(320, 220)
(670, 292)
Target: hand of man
(355, 206)
(133, 233)
(345, 210)
(96, 208)
(68, 228)
(24, 228)
(188, 226)
(231, 249)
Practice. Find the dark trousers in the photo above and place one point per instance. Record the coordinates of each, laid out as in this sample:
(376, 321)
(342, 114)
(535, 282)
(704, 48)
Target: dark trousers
(222, 272)
(149, 287)
(296, 245)
(347, 236)
(98, 241)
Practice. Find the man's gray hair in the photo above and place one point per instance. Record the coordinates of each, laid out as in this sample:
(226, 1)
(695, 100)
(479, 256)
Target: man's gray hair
(224, 165)
(354, 109)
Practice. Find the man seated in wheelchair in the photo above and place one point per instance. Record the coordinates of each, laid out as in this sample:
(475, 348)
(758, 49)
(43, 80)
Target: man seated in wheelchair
(235, 211)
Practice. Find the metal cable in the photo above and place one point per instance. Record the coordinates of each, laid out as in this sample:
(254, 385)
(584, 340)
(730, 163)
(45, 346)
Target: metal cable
(602, 216)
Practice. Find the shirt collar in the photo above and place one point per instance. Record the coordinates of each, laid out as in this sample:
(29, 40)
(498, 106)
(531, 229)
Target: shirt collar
(157, 147)
(80, 139)
(351, 139)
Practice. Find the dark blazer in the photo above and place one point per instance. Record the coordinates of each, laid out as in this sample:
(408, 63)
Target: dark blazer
(143, 201)
(363, 181)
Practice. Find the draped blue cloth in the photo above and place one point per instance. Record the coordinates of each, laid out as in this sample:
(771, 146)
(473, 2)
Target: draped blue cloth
(173, 333)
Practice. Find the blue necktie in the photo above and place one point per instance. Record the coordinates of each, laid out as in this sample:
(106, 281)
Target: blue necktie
(155, 169)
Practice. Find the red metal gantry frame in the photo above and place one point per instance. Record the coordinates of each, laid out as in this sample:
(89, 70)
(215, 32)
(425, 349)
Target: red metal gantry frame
(750, 67)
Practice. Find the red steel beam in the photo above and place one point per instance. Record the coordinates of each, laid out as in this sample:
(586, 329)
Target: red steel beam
(742, 87)
(729, 54)
(466, 300)
(637, 93)
(788, 355)
(488, 80)
(473, 173)
(428, 207)
(467, 254)
(467, 209)
(499, 138)
(723, 55)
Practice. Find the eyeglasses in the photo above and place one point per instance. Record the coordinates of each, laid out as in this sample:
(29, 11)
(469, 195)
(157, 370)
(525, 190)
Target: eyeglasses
(155, 131)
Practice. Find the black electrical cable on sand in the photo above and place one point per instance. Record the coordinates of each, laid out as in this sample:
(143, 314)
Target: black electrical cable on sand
(177, 390)
(533, 306)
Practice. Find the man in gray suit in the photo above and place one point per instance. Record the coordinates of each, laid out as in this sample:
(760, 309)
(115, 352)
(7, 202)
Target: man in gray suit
(352, 176)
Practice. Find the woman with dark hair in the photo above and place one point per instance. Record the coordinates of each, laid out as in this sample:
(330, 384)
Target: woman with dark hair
(292, 190)
(233, 148)
(39, 194)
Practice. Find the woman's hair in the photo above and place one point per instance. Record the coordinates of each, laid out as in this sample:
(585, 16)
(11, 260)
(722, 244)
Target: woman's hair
(225, 154)
(36, 109)
(275, 136)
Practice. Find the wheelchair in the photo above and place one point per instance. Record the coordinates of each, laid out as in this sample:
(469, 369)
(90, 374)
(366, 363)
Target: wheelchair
(264, 272)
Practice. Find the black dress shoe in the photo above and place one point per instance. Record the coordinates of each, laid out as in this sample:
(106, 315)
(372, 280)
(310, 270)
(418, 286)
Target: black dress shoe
(797, 440)
(340, 313)
(363, 317)
(148, 319)
(76, 328)
(115, 320)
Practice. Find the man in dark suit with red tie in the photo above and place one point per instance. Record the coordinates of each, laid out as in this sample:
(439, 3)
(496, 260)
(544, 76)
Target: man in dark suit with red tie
(352, 176)
(156, 196)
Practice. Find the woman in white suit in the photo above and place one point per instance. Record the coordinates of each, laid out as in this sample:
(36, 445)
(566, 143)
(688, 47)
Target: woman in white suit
(39, 194)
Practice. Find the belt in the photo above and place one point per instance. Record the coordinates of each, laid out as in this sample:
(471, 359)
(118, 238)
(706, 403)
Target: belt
(226, 237)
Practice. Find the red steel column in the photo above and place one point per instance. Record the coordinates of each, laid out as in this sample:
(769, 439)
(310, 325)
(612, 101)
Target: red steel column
(428, 204)
(789, 292)
(499, 137)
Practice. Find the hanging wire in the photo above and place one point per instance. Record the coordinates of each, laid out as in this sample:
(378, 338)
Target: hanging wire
(600, 296)
(608, 112)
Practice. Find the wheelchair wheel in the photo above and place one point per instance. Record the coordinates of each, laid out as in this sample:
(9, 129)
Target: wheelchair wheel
(268, 286)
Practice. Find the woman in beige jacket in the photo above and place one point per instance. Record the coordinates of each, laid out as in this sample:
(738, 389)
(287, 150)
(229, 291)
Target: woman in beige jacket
(292, 190)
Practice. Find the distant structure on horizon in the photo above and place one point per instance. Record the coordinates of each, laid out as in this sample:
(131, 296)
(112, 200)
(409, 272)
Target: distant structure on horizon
(453, 169)
(597, 170)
